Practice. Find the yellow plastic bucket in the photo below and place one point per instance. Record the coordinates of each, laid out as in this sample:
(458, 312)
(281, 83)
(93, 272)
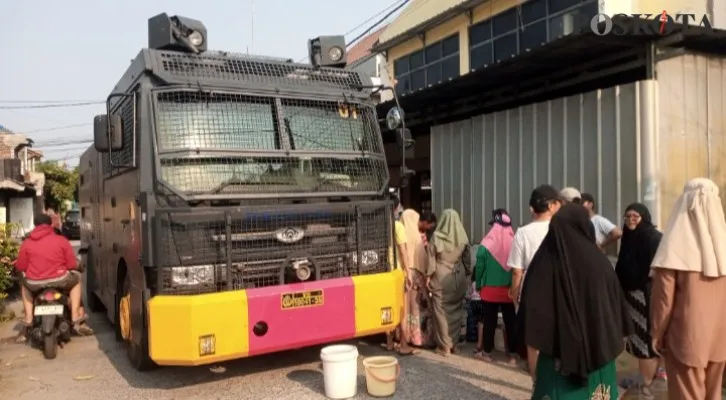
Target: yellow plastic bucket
(382, 372)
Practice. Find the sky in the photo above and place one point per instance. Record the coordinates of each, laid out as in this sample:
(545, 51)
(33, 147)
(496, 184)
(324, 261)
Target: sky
(77, 50)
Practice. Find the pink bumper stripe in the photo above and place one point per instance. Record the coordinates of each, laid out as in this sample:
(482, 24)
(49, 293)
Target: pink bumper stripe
(301, 326)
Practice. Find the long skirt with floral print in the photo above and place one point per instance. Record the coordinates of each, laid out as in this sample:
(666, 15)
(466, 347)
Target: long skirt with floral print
(418, 323)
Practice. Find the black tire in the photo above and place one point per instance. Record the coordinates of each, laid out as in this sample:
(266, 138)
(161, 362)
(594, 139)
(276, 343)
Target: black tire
(50, 345)
(138, 354)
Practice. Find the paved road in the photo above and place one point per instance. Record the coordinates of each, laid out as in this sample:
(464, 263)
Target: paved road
(96, 368)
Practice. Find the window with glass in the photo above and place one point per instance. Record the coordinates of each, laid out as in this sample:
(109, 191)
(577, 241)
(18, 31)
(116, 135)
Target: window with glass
(526, 27)
(209, 136)
(435, 63)
(329, 127)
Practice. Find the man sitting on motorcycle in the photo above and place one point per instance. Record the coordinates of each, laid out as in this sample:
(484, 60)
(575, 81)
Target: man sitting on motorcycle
(47, 260)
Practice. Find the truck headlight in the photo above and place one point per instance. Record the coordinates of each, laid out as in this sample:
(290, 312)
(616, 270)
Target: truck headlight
(194, 275)
(196, 38)
(368, 258)
(335, 53)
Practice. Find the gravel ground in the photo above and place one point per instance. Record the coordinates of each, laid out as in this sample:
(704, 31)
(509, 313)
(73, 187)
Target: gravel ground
(96, 368)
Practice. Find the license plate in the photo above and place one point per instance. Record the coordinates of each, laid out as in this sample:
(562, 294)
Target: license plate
(53, 309)
(312, 298)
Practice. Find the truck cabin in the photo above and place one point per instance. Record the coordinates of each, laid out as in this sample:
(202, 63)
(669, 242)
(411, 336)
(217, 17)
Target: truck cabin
(250, 171)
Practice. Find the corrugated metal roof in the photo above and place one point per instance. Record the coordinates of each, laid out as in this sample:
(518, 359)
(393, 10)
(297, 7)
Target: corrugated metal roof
(363, 47)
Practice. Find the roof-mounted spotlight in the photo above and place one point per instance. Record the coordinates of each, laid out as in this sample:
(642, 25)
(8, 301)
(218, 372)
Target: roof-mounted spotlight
(327, 51)
(177, 33)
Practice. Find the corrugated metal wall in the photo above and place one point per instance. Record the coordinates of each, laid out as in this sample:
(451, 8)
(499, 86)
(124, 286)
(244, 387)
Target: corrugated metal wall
(691, 123)
(589, 141)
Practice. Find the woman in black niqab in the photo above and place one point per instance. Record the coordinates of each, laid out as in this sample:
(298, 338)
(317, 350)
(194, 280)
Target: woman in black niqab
(573, 311)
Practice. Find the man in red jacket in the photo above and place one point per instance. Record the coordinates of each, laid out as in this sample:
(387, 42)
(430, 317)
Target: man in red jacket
(47, 260)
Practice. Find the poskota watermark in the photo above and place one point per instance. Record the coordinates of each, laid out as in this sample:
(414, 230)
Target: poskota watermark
(649, 24)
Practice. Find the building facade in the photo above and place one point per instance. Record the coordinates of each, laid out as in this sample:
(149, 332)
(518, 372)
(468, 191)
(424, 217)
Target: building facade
(21, 186)
(509, 94)
(374, 65)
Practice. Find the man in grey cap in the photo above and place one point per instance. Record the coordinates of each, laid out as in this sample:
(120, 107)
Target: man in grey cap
(571, 195)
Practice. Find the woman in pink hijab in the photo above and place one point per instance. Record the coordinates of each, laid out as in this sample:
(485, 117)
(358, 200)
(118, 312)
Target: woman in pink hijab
(492, 279)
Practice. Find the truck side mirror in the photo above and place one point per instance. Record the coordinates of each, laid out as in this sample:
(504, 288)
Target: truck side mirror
(107, 133)
(394, 118)
(403, 138)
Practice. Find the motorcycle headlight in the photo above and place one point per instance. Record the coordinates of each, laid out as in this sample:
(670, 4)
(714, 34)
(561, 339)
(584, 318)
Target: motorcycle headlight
(368, 258)
(194, 275)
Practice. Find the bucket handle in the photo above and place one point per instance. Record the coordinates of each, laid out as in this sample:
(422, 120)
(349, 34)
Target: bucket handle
(395, 378)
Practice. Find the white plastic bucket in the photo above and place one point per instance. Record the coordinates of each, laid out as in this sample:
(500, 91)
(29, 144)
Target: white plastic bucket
(340, 371)
(382, 372)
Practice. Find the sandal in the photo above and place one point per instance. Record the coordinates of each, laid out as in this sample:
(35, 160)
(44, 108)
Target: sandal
(81, 328)
(23, 333)
(442, 352)
(385, 346)
(410, 351)
(483, 356)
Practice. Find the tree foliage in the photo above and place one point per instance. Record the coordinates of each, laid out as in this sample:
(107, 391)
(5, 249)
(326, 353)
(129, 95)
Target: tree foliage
(61, 185)
(8, 253)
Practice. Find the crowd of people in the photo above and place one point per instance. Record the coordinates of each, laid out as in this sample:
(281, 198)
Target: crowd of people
(565, 309)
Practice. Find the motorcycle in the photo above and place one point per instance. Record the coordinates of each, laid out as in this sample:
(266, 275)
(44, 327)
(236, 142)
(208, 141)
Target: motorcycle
(52, 319)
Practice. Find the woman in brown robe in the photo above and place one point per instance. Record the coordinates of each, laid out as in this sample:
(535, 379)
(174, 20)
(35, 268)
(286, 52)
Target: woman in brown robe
(448, 271)
(688, 321)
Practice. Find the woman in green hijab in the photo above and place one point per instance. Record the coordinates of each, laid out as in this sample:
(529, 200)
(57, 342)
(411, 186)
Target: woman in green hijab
(447, 272)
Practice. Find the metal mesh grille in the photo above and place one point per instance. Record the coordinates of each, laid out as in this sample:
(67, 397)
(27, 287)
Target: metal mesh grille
(331, 126)
(225, 123)
(263, 245)
(123, 157)
(237, 67)
(195, 120)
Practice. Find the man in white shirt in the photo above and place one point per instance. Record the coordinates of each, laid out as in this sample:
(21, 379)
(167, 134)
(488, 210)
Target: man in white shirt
(606, 233)
(544, 202)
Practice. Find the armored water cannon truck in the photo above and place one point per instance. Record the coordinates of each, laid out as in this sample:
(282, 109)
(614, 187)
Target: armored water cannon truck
(236, 205)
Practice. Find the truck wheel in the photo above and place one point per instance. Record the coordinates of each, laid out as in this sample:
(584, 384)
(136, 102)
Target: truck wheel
(50, 345)
(137, 353)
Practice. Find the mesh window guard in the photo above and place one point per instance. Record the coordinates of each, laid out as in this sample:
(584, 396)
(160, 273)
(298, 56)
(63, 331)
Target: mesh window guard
(346, 148)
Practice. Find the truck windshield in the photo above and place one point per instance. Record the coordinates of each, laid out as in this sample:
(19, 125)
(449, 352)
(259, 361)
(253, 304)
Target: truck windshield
(348, 151)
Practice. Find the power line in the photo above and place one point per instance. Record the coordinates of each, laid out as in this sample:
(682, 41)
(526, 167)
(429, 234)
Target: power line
(394, 4)
(374, 17)
(53, 105)
(56, 128)
(62, 144)
(380, 21)
(44, 101)
(76, 147)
